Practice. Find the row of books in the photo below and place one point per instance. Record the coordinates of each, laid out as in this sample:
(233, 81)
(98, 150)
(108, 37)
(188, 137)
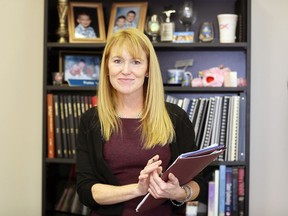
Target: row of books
(63, 115)
(69, 201)
(217, 119)
(226, 192)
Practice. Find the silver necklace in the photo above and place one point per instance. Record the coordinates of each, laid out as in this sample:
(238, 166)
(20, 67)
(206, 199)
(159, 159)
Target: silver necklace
(136, 117)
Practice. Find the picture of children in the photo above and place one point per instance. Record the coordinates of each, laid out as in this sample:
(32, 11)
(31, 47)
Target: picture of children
(130, 19)
(83, 29)
(79, 67)
(128, 15)
(119, 23)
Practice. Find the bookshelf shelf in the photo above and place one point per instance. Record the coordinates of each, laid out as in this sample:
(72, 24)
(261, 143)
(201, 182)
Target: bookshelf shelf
(60, 161)
(56, 171)
(158, 46)
(73, 161)
(168, 89)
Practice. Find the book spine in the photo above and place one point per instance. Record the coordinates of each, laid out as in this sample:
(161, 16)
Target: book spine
(185, 105)
(63, 127)
(76, 206)
(241, 191)
(82, 102)
(215, 136)
(90, 101)
(86, 102)
(241, 27)
(222, 186)
(229, 130)
(75, 115)
(211, 198)
(66, 207)
(242, 127)
(198, 115)
(216, 199)
(58, 133)
(71, 126)
(209, 123)
(94, 100)
(223, 127)
(50, 127)
(235, 128)
(235, 191)
(202, 119)
(66, 114)
(228, 192)
(79, 107)
(59, 204)
(192, 109)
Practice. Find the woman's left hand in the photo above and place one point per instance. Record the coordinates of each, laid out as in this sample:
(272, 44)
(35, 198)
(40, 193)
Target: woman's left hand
(170, 189)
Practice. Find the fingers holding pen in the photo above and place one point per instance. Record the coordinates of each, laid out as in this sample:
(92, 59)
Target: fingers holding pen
(153, 159)
(152, 164)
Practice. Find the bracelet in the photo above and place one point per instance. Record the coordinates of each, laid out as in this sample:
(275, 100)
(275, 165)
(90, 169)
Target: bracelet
(176, 204)
(188, 192)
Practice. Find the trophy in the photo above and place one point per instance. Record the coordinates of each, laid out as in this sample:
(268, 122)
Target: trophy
(62, 13)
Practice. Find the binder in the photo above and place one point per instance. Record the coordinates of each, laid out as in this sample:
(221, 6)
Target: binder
(185, 168)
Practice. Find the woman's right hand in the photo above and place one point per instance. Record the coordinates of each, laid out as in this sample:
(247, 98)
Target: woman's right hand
(143, 179)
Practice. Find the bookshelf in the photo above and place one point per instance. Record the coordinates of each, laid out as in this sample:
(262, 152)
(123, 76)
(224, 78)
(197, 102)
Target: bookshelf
(56, 171)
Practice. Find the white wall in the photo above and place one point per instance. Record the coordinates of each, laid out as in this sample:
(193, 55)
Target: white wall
(21, 110)
(269, 118)
(21, 51)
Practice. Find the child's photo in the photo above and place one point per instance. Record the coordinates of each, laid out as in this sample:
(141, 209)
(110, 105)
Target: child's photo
(86, 22)
(83, 28)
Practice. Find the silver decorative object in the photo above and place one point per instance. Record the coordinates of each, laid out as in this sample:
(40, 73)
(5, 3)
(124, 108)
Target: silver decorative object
(152, 27)
(187, 14)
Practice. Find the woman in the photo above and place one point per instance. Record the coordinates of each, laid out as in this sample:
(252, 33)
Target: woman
(132, 135)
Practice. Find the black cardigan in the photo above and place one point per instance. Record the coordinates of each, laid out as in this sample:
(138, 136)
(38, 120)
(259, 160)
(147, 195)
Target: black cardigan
(91, 167)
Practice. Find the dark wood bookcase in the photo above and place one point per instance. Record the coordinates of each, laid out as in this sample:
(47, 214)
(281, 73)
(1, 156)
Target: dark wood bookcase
(56, 171)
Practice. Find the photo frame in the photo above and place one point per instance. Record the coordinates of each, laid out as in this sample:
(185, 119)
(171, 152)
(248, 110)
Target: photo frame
(80, 68)
(122, 13)
(86, 23)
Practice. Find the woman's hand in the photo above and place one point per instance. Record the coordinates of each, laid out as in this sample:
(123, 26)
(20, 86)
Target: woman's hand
(144, 178)
(170, 189)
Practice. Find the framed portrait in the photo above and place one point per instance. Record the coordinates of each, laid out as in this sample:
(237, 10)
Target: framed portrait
(80, 68)
(127, 15)
(86, 23)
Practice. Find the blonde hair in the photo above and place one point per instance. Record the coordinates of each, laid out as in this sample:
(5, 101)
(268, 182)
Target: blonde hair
(156, 126)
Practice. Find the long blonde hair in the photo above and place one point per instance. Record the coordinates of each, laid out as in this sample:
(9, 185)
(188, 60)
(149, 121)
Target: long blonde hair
(156, 126)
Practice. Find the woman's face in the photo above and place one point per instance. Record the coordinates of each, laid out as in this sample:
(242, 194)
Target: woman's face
(126, 73)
